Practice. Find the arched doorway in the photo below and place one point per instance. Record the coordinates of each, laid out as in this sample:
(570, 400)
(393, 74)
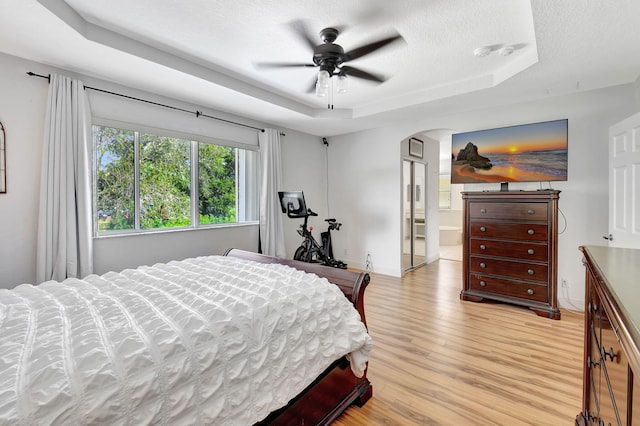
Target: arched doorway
(431, 207)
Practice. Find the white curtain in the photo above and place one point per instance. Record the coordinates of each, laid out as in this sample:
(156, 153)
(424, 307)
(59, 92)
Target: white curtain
(271, 223)
(65, 246)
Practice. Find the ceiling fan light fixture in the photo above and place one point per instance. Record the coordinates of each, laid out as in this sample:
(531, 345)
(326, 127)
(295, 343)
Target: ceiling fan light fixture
(323, 78)
(342, 85)
(321, 92)
(322, 84)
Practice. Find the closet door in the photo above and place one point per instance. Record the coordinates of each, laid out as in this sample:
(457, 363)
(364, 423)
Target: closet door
(413, 214)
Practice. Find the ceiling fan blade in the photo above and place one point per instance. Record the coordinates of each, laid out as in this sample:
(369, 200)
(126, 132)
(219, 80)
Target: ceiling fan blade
(371, 47)
(300, 28)
(282, 65)
(357, 72)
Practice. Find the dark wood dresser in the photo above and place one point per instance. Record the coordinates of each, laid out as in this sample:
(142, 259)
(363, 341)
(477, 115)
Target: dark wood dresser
(611, 381)
(510, 248)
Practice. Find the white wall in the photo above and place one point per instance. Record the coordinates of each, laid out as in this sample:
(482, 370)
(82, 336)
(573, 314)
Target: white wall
(304, 160)
(22, 111)
(583, 199)
(365, 175)
(129, 251)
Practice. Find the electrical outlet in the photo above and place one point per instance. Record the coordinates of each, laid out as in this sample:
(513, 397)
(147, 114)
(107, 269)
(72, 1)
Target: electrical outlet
(345, 252)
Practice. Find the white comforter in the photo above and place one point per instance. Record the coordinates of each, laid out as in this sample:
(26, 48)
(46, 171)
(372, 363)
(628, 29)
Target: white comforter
(211, 340)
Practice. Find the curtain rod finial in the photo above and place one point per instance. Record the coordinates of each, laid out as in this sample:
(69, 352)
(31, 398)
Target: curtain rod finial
(33, 74)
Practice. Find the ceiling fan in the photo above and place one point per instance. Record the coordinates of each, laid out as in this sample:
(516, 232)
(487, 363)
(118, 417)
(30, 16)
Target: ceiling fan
(330, 58)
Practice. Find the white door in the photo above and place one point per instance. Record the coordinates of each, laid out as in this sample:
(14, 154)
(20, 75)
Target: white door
(624, 183)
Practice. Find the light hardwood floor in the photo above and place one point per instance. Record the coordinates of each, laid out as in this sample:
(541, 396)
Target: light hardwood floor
(440, 361)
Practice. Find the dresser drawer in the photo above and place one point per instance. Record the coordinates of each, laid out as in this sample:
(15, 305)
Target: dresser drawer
(614, 367)
(508, 268)
(509, 231)
(516, 250)
(594, 353)
(512, 211)
(530, 291)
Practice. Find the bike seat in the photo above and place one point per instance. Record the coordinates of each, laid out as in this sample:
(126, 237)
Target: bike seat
(311, 213)
(330, 220)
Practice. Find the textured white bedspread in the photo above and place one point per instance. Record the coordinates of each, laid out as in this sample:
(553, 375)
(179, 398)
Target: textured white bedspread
(210, 340)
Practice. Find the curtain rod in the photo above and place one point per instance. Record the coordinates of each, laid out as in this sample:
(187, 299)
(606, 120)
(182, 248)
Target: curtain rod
(196, 112)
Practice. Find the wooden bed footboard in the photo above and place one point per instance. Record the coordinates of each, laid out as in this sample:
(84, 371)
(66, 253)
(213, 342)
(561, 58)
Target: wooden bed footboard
(337, 387)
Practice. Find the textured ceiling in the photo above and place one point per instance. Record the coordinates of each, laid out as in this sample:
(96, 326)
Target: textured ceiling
(204, 51)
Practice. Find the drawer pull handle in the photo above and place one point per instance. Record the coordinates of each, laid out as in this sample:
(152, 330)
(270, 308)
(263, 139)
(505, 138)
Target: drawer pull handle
(483, 210)
(593, 363)
(483, 229)
(531, 232)
(530, 291)
(531, 211)
(483, 247)
(483, 265)
(610, 354)
(530, 271)
(531, 251)
(482, 283)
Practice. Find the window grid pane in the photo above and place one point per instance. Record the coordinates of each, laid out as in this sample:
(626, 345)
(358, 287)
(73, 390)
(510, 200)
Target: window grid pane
(445, 191)
(165, 182)
(217, 184)
(114, 151)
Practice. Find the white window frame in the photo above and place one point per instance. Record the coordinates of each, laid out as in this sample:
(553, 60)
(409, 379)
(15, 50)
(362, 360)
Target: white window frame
(246, 194)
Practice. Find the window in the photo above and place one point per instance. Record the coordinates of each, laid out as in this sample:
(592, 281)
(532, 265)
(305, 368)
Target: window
(444, 182)
(217, 184)
(444, 191)
(145, 181)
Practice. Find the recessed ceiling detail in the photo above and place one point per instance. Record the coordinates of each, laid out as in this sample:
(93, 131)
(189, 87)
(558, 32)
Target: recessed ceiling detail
(198, 39)
(202, 52)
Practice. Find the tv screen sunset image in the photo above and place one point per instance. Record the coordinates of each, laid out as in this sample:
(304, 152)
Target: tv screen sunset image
(524, 153)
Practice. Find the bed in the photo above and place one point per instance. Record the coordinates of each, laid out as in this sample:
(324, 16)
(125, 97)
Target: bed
(238, 339)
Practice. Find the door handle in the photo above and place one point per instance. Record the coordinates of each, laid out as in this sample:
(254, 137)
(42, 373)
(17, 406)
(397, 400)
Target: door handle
(608, 237)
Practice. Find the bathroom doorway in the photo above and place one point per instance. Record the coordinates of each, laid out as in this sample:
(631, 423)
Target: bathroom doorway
(414, 214)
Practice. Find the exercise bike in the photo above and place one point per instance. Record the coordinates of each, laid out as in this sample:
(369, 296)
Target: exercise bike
(293, 204)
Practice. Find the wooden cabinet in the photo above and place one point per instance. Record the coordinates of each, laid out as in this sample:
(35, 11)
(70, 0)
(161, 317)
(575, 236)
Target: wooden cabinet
(510, 248)
(611, 392)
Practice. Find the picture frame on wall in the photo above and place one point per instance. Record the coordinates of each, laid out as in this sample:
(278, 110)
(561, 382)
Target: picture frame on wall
(416, 147)
(3, 160)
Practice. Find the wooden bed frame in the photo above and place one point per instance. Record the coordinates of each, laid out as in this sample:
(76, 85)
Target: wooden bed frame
(337, 387)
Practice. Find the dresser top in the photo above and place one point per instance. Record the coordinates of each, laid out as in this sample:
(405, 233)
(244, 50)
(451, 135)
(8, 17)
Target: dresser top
(544, 194)
(620, 268)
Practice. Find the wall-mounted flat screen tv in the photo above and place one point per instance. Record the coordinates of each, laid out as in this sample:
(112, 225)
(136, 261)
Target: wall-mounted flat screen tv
(536, 152)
